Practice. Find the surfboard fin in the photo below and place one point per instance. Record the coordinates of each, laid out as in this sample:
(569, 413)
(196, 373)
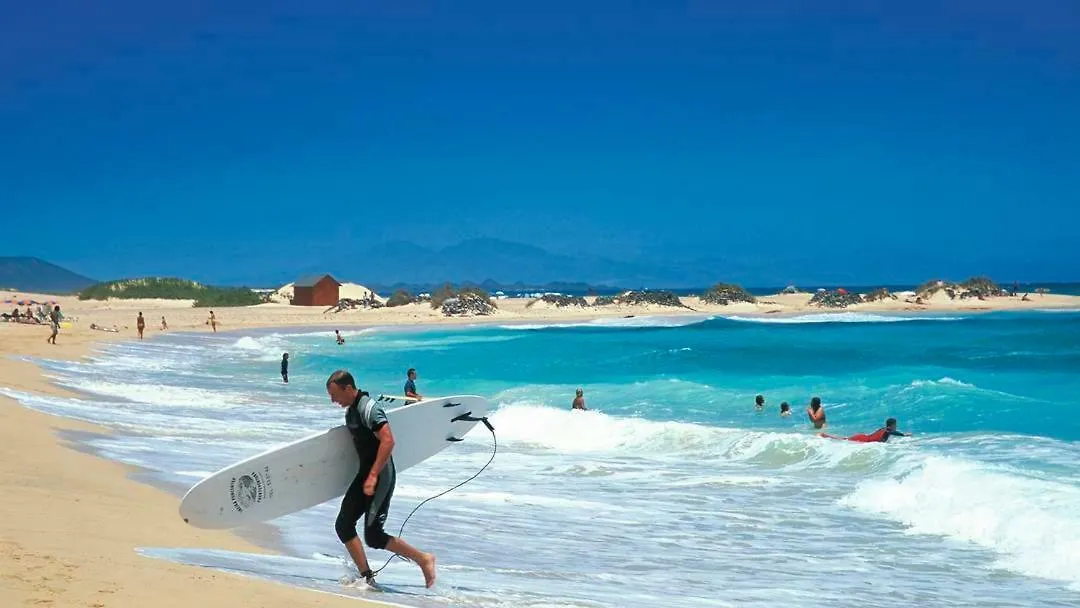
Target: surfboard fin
(468, 417)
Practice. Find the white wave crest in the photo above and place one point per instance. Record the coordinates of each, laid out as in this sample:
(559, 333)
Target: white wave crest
(839, 317)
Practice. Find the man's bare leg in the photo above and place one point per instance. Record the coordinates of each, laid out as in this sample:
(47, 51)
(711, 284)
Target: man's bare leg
(356, 551)
(426, 561)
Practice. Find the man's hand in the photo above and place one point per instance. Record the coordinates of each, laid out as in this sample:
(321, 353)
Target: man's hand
(369, 485)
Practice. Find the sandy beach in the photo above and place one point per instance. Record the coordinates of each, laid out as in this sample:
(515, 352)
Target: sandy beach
(71, 521)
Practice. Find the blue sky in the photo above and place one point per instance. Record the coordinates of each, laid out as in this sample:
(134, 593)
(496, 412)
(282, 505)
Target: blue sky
(857, 137)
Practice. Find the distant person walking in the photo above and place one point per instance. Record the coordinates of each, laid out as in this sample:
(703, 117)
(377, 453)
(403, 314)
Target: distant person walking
(212, 321)
(579, 401)
(285, 368)
(410, 385)
(816, 413)
(140, 324)
(164, 325)
(54, 324)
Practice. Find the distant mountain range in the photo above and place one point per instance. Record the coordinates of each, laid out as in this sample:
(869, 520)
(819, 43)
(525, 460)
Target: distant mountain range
(39, 276)
(507, 263)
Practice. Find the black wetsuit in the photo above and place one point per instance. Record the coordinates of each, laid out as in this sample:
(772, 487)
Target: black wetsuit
(356, 504)
(285, 370)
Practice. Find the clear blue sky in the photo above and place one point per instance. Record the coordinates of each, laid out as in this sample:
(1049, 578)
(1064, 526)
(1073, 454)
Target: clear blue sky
(185, 137)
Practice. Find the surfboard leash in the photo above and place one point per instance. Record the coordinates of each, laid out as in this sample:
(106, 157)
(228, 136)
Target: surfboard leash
(468, 417)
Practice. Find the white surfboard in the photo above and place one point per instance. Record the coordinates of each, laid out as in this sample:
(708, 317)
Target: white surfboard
(317, 468)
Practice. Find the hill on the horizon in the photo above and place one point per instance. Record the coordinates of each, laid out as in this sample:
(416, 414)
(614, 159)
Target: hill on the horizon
(37, 275)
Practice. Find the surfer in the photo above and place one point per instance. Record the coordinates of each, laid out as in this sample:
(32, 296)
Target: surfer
(410, 385)
(285, 367)
(881, 435)
(369, 494)
(579, 401)
(816, 413)
(759, 402)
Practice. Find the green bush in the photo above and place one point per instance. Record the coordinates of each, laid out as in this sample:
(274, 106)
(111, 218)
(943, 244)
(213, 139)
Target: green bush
(401, 297)
(169, 288)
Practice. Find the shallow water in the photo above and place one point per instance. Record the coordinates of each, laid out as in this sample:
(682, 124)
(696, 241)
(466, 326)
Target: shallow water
(672, 491)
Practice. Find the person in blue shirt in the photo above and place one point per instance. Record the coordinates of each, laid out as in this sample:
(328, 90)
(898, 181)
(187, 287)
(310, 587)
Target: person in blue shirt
(410, 385)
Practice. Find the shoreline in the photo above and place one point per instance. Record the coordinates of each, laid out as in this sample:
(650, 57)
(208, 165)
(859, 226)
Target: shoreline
(74, 521)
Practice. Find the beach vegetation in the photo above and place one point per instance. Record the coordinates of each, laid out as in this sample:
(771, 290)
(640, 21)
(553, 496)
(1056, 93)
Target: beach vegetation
(838, 298)
(400, 297)
(981, 287)
(170, 288)
(726, 293)
(881, 293)
(661, 297)
(559, 300)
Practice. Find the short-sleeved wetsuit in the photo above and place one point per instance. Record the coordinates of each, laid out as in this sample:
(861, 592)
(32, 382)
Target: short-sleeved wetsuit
(363, 419)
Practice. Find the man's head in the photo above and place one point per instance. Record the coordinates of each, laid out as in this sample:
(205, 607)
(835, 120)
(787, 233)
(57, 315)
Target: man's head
(411, 373)
(580, 392)
(759, 400)
(284, 355)
(815, 403)
(784, 407)
(342, 388)
(891, 424)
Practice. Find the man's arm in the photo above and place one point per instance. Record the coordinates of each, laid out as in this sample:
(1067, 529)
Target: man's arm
(386, 445)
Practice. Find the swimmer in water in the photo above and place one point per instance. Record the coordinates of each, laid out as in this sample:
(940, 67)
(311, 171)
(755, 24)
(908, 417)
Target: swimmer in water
(879, 436)
(759, 402)
(785, 409)
(816, 413)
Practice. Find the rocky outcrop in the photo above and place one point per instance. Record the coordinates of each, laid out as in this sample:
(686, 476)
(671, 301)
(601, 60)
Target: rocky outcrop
(559, 301)
(466, 304)
(879, 294)
(724, 294)
(640, 298)
(790, 289)
(835, 299)
(369, 302)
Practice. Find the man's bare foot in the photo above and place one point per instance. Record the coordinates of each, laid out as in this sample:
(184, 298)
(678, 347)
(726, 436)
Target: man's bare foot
(427, 565)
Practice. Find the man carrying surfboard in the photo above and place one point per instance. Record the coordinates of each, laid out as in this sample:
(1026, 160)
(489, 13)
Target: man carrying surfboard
(369, 494)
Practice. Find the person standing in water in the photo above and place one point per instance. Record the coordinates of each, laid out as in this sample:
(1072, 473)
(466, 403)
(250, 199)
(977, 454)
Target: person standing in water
(816, 413)
(369, 494)
(340, 340)
(140, 324)
(579, 401)
(410, 385)
(285, 367)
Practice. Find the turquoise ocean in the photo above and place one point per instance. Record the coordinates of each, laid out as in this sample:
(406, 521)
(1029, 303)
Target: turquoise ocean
(672, 490)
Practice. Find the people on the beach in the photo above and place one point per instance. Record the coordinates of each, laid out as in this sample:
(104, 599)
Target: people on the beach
(579, 400)
(285, 367)
(212, 321)
(140, 324)
(785, 409)
(340, 339)
(54, 324)
(816, 413)
(164, 325)
(410, 385)
(759, 403)
(369, 494)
